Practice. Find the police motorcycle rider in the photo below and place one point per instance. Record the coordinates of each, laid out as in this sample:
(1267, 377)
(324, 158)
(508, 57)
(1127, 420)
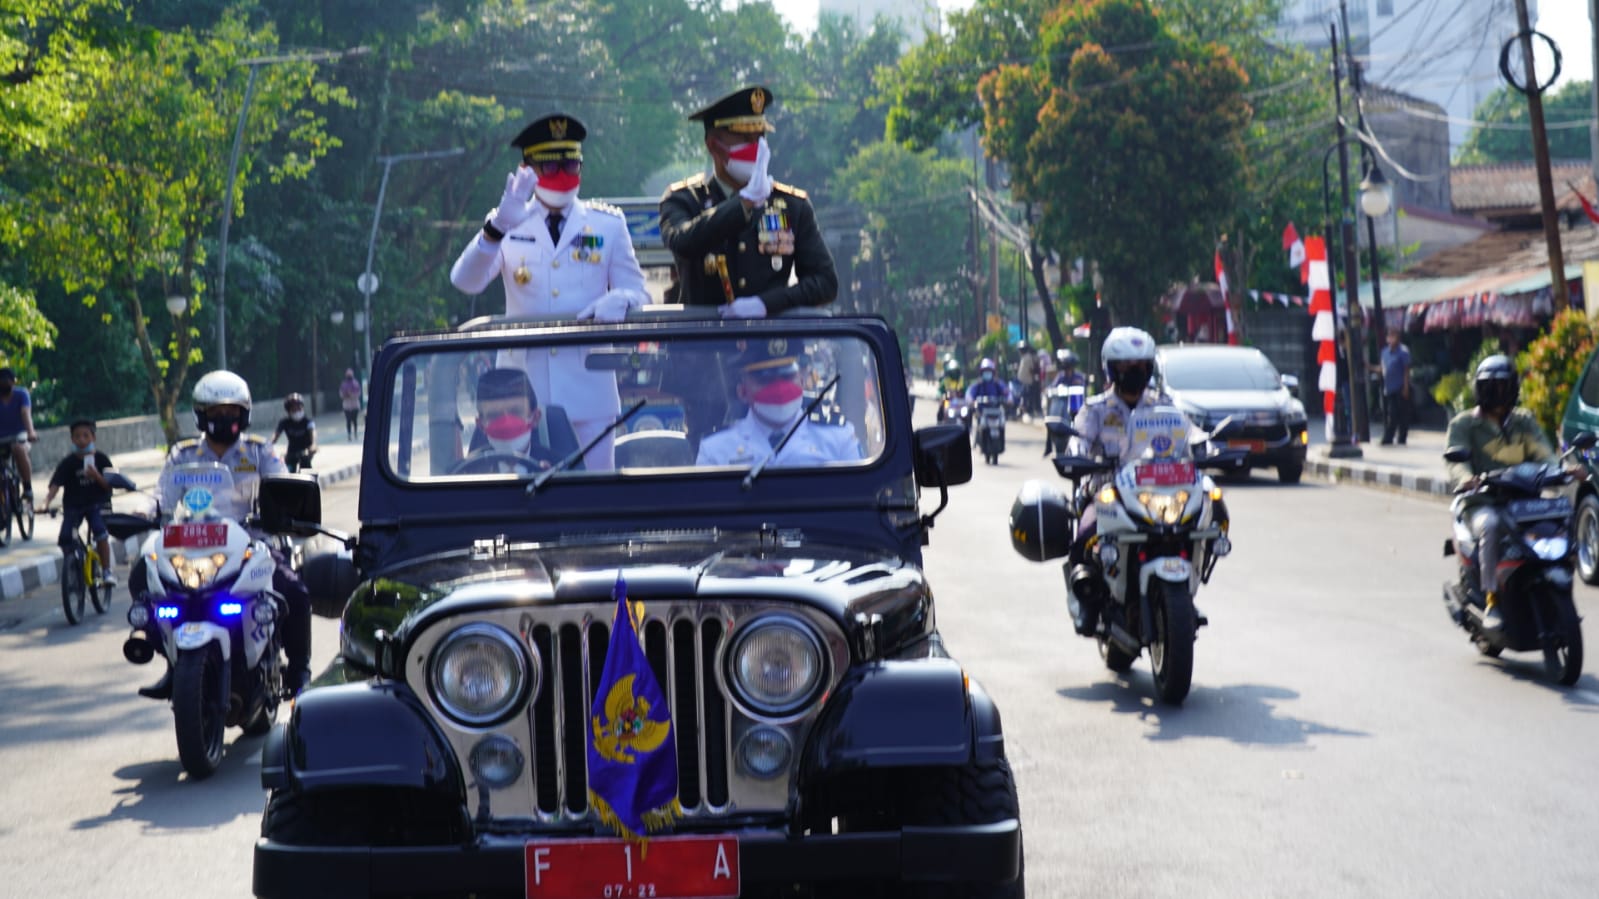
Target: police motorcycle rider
(1129, 359)
(222, 413)
(1066, 375)
(987, 384)
(1499, 435)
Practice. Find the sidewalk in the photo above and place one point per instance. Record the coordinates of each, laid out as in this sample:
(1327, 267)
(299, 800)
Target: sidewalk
(1417, 467)
(27, 564)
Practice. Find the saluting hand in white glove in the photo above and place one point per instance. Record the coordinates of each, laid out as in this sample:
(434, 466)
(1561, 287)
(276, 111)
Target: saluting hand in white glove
(514, 209)
(759, 187)
(745, 307)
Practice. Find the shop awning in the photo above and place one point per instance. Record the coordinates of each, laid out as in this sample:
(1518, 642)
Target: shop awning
(1411, 291)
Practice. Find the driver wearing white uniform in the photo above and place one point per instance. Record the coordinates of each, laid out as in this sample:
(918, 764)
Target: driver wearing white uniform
(769, 381)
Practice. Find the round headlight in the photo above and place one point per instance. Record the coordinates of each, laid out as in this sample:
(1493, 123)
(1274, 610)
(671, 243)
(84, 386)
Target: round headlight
(496, 761)
(764, 752)
(138, 616)
(480, 673)
(777, 664)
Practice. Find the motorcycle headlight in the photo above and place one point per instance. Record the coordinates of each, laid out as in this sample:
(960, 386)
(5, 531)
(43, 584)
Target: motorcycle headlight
(1164, 508)
(776, 665)
(1551, 548)
(480, 673)
(195, 572)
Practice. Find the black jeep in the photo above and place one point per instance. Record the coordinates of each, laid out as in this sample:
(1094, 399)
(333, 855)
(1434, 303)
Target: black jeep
(825, 743)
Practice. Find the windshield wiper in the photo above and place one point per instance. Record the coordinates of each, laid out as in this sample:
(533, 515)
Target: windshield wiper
(758, 467)
(572, 457)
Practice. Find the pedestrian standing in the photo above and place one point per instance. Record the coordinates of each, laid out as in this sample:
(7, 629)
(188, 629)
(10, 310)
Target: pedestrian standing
(558, 255)
(1395, 369)
(929, 359)
(739, 238)
(350, 400)
(1027, 374)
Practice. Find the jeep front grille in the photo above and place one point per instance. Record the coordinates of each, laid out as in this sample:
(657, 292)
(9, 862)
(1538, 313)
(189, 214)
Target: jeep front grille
(683, 654)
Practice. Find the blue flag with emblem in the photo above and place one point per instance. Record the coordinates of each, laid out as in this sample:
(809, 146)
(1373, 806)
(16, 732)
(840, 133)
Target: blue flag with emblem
(632, 754)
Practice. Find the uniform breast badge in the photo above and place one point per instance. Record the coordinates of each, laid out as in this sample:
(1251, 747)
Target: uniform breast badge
(588, 247)
(522, 275)
(776, 238)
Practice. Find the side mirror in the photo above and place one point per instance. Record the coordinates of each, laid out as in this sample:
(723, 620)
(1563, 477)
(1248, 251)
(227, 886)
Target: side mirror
(1059, 429)
(943, 456)
(1457, 454)
(330, 577)
(1584, 441)
(290, 504)
(1291, 383)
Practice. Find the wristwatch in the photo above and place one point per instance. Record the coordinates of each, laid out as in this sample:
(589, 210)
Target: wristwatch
(492, 233)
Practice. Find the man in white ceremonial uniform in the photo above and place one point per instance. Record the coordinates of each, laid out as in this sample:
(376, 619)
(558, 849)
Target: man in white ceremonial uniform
(558, 256)
(769, 381)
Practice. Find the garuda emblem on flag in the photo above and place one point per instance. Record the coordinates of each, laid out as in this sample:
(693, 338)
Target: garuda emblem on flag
(632, 755)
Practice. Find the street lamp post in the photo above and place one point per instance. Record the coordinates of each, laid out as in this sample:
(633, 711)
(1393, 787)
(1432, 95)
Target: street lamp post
(233, 174)
(1376, 198)
(367, 283)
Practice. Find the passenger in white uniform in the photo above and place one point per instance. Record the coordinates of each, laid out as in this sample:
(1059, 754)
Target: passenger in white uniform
(557, 256)
(769, 381)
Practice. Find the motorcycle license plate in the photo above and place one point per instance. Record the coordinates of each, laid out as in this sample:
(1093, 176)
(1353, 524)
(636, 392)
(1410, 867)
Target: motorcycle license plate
(686, 867)
(1543, 507)
(194, 536)
(1164, 474)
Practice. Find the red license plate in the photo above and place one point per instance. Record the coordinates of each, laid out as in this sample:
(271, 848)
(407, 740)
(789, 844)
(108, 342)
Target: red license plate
(1254, 446)
(1164, 474)
(675, 867)
(194, 536)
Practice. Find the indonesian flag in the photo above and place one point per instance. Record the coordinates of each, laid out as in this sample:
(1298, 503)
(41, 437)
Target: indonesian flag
(1221, 274)
(1293, 246)
(1587, 207)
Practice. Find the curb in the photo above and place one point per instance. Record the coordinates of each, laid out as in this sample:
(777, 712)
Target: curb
(1368, 474)
(30, 574)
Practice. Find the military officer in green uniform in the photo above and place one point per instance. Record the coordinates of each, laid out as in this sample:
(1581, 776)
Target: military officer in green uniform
(739, 237)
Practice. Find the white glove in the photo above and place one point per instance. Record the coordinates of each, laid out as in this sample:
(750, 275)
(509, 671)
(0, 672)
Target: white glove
(612, 307)
(759, 187)
(513, 209)
(745, 307)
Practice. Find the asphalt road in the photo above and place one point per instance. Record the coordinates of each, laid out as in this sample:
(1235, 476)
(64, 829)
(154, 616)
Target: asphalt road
(1342, 737)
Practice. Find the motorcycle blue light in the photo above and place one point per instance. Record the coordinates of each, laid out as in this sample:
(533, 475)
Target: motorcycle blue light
(230, 608)
(165, 612)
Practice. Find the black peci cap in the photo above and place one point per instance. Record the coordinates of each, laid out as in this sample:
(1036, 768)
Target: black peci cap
(556, 136)
(505, 383)
(743, 111)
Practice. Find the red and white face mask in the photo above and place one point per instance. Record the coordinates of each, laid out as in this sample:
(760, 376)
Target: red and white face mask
(741, 160)
(777, 403)
(558, 182)
(509, 433)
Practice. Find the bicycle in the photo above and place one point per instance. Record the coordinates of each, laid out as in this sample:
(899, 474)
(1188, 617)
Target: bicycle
(16, 507)
(82, 572)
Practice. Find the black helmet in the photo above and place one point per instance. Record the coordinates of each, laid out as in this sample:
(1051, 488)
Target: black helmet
(292, 400)
(1496, 384)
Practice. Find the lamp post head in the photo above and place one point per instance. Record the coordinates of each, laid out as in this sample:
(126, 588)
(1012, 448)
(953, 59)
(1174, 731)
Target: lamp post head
(1376, 196)
(337, 317)
(176, 305)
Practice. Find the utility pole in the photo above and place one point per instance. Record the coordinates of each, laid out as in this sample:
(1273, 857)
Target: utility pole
(1354, 347)
(1593, 89)
(1540, 151)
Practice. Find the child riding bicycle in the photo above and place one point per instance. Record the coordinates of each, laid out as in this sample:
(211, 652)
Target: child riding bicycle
(81, 479)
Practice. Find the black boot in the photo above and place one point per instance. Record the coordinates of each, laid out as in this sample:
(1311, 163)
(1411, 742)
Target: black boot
(1088, 589)
(295, 679)
(161, 689)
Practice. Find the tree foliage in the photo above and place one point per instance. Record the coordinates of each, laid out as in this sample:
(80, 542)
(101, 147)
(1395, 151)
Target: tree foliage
(1552, 365)
(1135, 154)
(1503, 129)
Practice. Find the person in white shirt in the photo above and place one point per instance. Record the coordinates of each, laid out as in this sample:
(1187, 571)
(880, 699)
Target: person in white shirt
(769, 382)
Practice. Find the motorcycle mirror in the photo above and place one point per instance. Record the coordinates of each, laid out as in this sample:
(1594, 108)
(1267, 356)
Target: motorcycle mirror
(1060, 429)
(1457, 454)
(119, 481)
(1584, 441)
(1222, 426)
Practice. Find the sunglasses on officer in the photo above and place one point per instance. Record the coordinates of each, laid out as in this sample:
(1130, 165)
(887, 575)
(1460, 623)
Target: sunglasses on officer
(545, 167)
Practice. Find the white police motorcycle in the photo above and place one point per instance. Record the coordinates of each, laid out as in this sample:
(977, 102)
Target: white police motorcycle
(211, 607)
(1161, 528)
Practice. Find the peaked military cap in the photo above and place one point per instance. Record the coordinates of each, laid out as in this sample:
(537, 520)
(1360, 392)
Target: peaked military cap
(767, 358)
(743, 111)
(556, 136)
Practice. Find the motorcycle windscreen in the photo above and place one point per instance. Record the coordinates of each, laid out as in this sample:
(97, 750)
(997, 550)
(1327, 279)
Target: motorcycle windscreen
(205, 491)
(1159, 445)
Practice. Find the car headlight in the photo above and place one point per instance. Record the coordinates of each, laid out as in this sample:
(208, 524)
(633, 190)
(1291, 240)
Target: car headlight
(1550, 548)
(195, 572)
(1295, 413)
(776, 665)
(1164, 508)
(480, 673)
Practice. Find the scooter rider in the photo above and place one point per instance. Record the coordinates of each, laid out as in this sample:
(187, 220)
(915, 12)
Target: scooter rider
(1498, 435)
(987, 383)
(222, 413)
(1067, 375)
(1129, 358)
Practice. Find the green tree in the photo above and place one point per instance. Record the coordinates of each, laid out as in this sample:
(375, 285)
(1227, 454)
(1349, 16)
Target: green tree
(1135, 157)
(121, 219)
(1552, 365)
(1503, 129)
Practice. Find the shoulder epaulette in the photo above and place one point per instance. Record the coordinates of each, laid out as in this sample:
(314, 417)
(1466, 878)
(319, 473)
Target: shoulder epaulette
(790, 189)
(254, 438)
(606, 208)
(190, 443)
(692, 182)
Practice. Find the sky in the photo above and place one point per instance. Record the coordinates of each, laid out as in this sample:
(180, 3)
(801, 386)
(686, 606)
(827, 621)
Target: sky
(1564, 20)
(1567, 22)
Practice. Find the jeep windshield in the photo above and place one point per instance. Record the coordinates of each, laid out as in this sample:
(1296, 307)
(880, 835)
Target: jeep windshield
(525, 405)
